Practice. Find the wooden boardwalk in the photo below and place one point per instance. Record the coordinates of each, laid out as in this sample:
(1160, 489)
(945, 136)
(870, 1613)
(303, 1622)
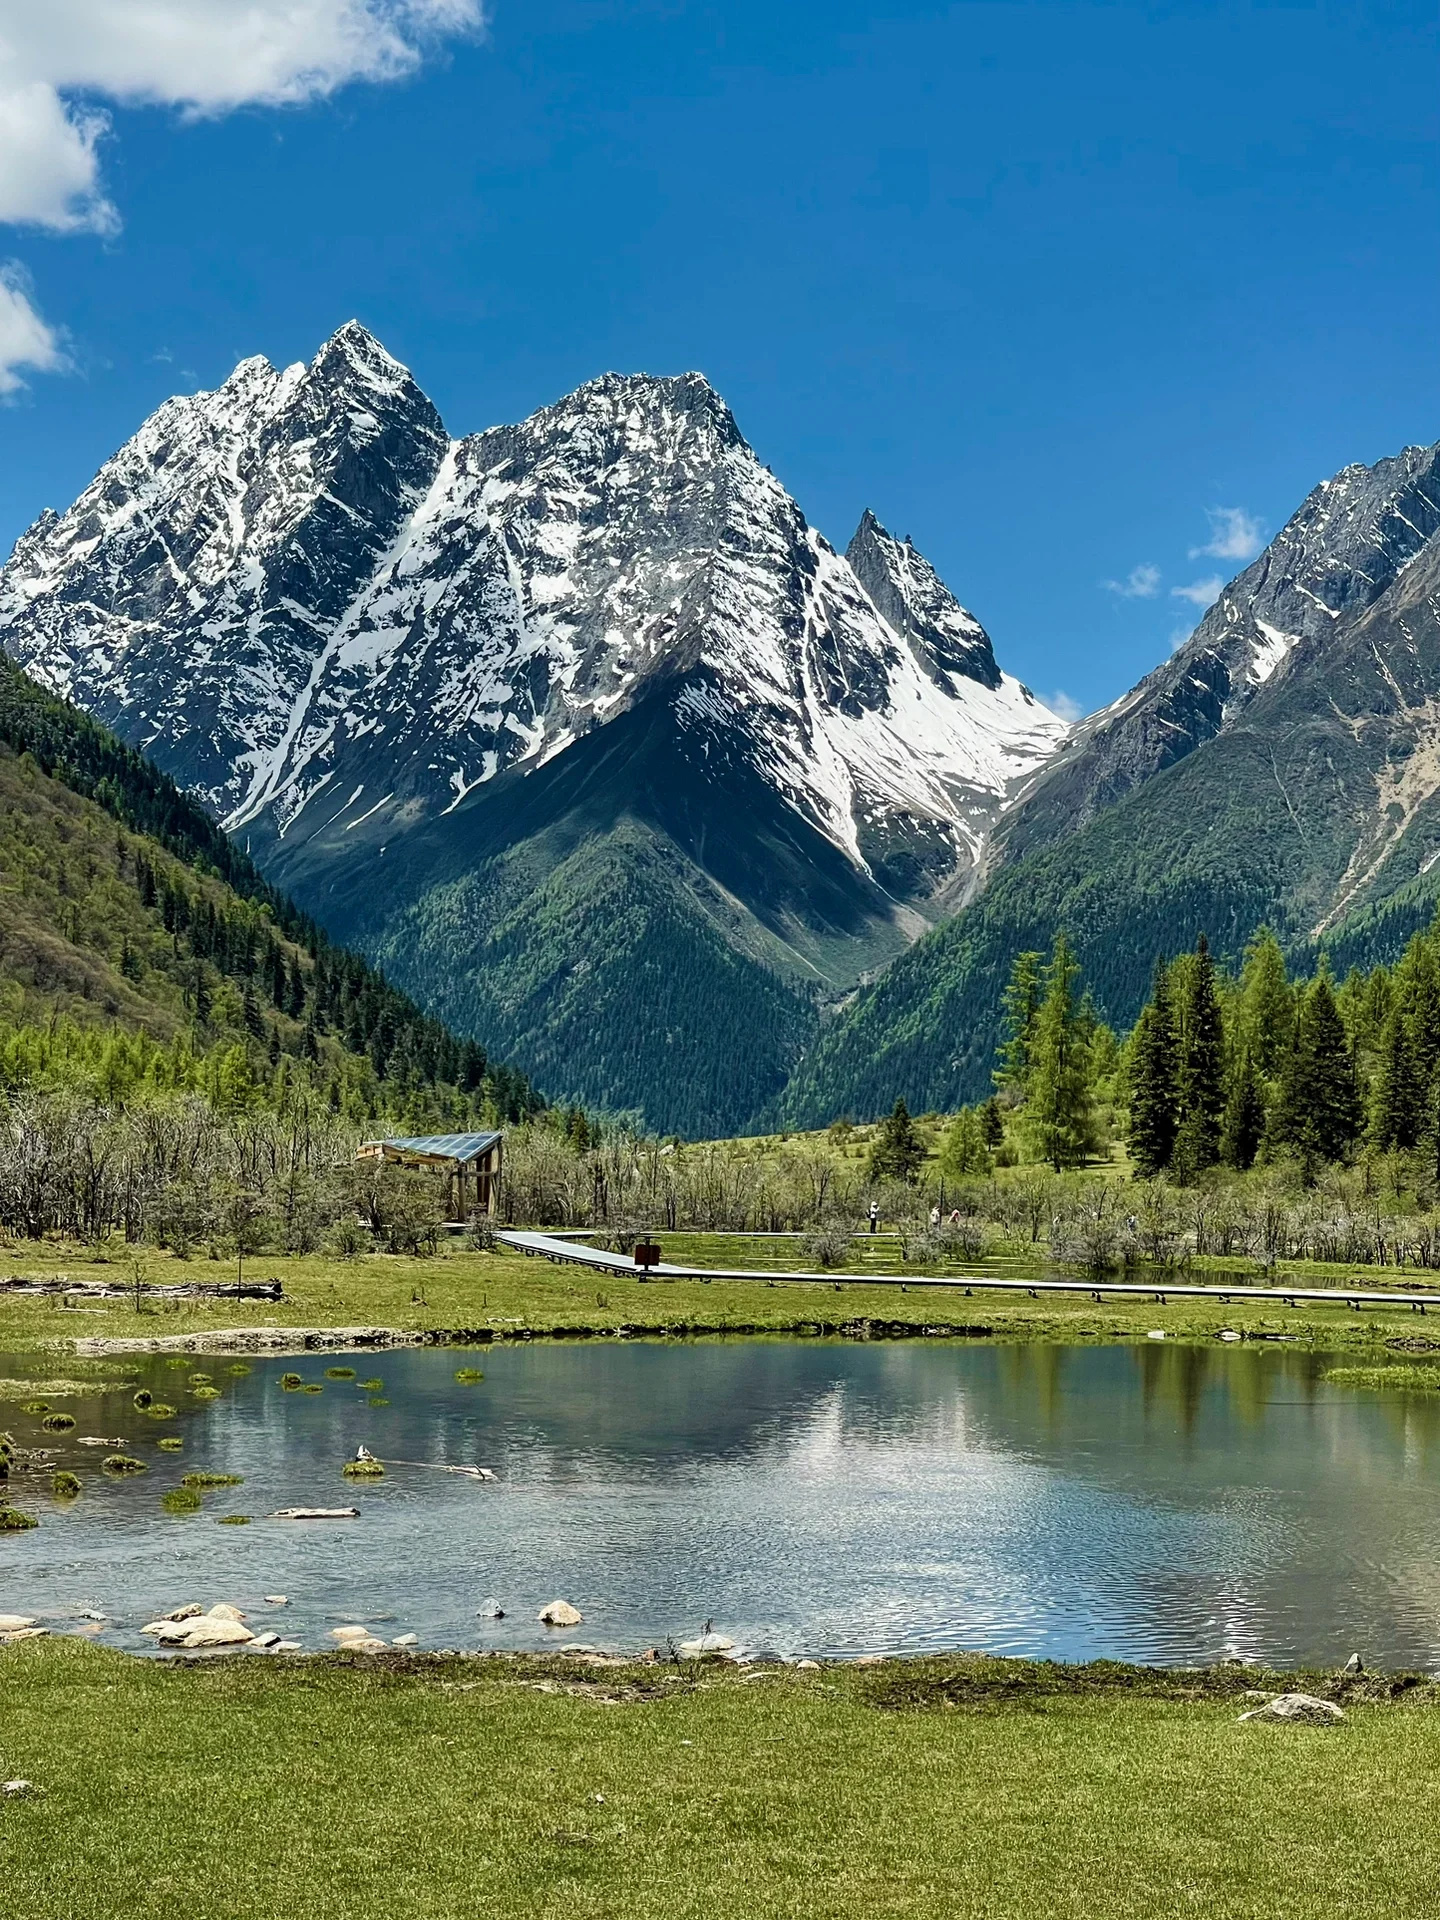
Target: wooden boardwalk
(569, 1252)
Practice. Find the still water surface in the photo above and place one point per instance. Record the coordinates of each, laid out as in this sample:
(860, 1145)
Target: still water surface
(1146, 1503)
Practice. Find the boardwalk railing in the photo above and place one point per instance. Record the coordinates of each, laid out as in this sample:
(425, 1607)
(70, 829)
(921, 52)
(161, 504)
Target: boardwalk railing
(568, 1252)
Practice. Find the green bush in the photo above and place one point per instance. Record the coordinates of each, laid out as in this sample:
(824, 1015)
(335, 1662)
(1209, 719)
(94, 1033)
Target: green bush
(59, 1423)
(181, 1500)
(64, 1486)
(363, 1470)
(13, 1521)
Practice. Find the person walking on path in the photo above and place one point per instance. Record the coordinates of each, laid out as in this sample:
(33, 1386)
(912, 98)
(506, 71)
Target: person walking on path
(874, 1215)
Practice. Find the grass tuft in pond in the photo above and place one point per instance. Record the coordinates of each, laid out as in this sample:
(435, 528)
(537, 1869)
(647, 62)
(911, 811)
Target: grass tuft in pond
(160, 1410)
(291, 1382)
(313, 1386)
(65, 1486)
(371, 1386)
(12, 1520)
(1395, 1378)
(339, 1373)
(206, 1393)
(377, 1402)
(59, 1423)
(203, 1479)
(35, 1406)
(122, 1463)
(180, 1500)
(234, 1520)
(239, 1370)
(469, 1376)
(171, 1442)
(201, 1379)
(363, 1470)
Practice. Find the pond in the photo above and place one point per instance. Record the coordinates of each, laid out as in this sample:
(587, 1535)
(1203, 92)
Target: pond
(1155, 1502)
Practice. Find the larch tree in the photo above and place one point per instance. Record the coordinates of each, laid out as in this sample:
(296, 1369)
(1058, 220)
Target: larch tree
(1058, 1116)
(1019, 1013)
(1267, 1003)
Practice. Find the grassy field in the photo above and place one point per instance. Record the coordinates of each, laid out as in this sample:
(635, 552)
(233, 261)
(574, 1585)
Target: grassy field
(249, 1790)
(505, 1295)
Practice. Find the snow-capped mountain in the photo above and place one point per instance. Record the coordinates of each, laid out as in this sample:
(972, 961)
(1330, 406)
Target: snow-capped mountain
(1349, 541)
(361, 641)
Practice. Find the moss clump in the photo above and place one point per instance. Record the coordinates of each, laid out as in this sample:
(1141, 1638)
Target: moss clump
(234, 1520)
(64, 1486)
(12, 1520)
(201, 1379)
(207, 1393)
(363, 1470)
(239, 1370)
(122, 1463)
(59, 1423)
(160, 1410)
(339, 1373)
(35, 1406)
(291, 1382)
(171, 1365)
(180, 1500)
(172, 1443)
(469, 1376)
(204, 1479)
(377, 1403)
(313, 1386)
(371, 1386)
(143, 1399)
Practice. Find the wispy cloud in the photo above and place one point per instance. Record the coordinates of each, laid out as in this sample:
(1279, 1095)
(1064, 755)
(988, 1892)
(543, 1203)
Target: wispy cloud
(1141, 583)
(1200, 593)
(1060, 703)
(1234, 535)
(26, 341)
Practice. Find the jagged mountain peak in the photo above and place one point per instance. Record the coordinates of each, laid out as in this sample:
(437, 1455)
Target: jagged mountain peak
(919, 606)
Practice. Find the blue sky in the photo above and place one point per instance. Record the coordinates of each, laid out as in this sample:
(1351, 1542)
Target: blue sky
(1048, 287)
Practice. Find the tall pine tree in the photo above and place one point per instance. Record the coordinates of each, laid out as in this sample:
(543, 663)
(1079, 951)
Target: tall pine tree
(1266, 1004)
(1058, 1116)
(1020, 1012)
(1242, 1127)
(1200, 1070)
(1397, 1106)
(1154, 1095)
(1318, 1114)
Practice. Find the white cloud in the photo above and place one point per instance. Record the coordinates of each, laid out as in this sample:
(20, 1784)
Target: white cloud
(25, 339)
(1234, 535)
(59, 58)
(1060, 703)
(1200, 593)
(1141, 583)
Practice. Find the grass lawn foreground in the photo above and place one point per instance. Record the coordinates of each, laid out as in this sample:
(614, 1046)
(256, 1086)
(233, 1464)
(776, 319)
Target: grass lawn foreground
(249, 1787)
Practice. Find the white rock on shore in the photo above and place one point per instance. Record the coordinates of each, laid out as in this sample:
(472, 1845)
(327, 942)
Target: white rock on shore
(1305, 1708)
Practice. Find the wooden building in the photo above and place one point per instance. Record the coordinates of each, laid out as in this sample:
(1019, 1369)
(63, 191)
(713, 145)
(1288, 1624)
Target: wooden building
(470, 1164)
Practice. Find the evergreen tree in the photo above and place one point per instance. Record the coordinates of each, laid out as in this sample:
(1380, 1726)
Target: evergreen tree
(1318, 1113)
(1200, 1067)
(992, 1122)
(1020, 1013)
(1243, 1126)
(1057, 1111)
(898, 1150)
(1398, 1105)
(1267, 1005)
(964, 1150)
(1154, 1095)
(1418, 992)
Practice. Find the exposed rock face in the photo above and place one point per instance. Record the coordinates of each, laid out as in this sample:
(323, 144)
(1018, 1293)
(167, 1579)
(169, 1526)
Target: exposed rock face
(1336, 557)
